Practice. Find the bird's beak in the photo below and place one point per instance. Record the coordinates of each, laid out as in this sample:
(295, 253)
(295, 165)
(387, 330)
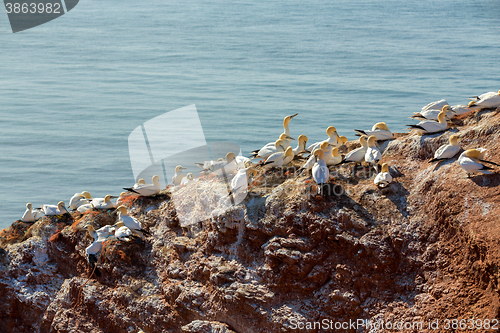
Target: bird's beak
(289, 137)
(293, 116)
(183, 168)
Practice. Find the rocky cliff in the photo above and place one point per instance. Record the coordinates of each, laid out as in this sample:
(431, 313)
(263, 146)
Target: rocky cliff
(424, 249)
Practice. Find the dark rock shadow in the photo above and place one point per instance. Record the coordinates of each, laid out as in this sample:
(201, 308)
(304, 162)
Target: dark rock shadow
(492, 180)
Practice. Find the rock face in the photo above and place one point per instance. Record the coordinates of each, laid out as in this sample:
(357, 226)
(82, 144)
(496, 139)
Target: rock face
(424, 249)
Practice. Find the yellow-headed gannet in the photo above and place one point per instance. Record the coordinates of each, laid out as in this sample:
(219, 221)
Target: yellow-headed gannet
(438, 105)
(279, 159)
(372, 154)
(324, 147)
(286, 129)
(270, 148)
(320, 172)
(147, 190)
(93, 249)
(79, 199)
(431, 126)
(384, 178)
(301, 145)
(357, 155)
(379, 130)
(178, 175)
(341, 141)
(336, 158)
(447, 151)
(186, 180)
(433, 114)
(486, 101)
(51, 210)
(229, 164)
(333, 139)
(267, 151)
(239, 183)
(130, 222)
(103, 203)
(123, 233)
(31, 215)
(470, 160)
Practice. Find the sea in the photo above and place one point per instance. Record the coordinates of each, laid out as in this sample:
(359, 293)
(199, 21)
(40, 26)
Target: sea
(72, 90)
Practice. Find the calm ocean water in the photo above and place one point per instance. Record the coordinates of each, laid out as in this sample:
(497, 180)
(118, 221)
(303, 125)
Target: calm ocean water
(72, 90)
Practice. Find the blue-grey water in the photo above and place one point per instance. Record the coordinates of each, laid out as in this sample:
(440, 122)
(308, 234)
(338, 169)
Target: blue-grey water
(72, 90)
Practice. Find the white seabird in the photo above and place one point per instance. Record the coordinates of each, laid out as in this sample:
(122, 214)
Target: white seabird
(486, 101)
(312, 159)
(103, 203)
(372, 154)
(447, 151)
(333, 139)
(320, 172)
(357, 155)
(431, 126)
(279, 159)
(271, 147)
(93, 249)
(147, 190)
(79, 199)
(470, 160)
(239, 183)
(123, 233)
(186, 180)
(335, 158)
(433, 114)
(51, 210)
(379, 130)
(438, 105)
(384, 178)
(31, 215)
(130, 222)
(301, 145)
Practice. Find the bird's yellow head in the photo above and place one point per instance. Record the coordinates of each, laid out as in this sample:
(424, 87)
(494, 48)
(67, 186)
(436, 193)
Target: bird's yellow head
(363, 140)
(454, 140)
(473, 153)
(289, 151)
(385, 167)
(371, 141)
(302, 138)
(319, 154)
(441, 116)
(141, 181)
(324, 145)
(61, 204)
(331, 131)
(446, 108)
(122, 210)
(335, 152)
(343, 140)
(288, 118)
(122, 194)
(107, 198)
(381, 126)
(471, 104)
(230, 157)
(279, 143)
(190, 176)
(29, 206)
(178, 168)
(251, 171)
(86, 195)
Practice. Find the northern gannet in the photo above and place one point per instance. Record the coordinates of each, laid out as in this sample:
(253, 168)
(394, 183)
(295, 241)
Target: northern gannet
(341, 141)
(470, 160)
(438, 105)
(79, 199)
(301, 145)
(372, 154)
(324, 147)
(384, 178)
(271, 147)
(267, 151)
(85, 208)
(123, 233)
(186, 180)
(333, 139)
(279, 159)
(357, 155)
(178, 175)
(31, 215)
(228, 165)
(335, 158)
(93, 249)
(103, 203)
(431, 126)
(286, 129)
(447, 151)
(320, 172)
(240, 180)
(130, 222)
(147, 190)
(486, 101)
(379, 130)
(51, 210)
(433, 114)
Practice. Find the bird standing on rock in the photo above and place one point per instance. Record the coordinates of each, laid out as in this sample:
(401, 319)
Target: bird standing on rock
(372, 154)
(320, 171)
(472, 160)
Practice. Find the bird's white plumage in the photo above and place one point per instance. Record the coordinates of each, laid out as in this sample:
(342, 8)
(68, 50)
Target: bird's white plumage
(471, 165)
(460, 109)
(123, 232)
(31, 215)
(438, 105)
(51, 210)
(358, 154)
(320, 172)
(487, 100)
(147, 190)
(77, 200)
(102, 203)
(383, 179)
